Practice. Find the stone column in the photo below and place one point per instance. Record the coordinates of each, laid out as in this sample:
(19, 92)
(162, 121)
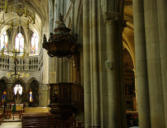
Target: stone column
(45, 72)
(60, 61)
(86, 63)
(112, 42)
(56, 13)
(153, 64)
(162, 23)
(94, 65)
(26, 68)
(11, 64)
(52, 60)
(57, 70)
(44, 95)
(141, 65)
(65, 76)
(52, 70)
(51, 15)
(102, 81)
(27, 40)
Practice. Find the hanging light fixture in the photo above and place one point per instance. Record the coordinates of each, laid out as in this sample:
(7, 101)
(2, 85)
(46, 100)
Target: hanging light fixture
(15, 75)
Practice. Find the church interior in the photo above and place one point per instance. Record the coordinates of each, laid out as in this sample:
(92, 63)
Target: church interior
(83, 64)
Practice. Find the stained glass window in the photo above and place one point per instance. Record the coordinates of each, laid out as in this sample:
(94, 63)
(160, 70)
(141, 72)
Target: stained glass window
(34, 43)
(30, 98)
(4, 41)
(19, 43)
(18, 89)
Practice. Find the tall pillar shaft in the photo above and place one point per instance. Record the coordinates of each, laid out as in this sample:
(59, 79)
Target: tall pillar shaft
(44, 95)
(154, 67)
(141, 67)
(94, 65)
(86, 61)
(60, 73)
(162, 23)
(102, 70)
(112, 68)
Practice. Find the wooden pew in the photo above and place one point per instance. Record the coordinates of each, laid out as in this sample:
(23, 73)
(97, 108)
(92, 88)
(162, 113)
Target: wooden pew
(35, 120)
(45, 120)
(1, 118)
(40, 117)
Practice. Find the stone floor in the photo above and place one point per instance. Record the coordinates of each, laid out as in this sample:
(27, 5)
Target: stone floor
(11, 122)
(11, 125)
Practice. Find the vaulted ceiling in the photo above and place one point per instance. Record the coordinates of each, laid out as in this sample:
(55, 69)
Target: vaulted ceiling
(31, 14)
(128, 32)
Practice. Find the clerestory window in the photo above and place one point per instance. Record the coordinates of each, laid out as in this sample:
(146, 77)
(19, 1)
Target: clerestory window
(18, 89)
(19, 43)
(34, 43)
(4, 41)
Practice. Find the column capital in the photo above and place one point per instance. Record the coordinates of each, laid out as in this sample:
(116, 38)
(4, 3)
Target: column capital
(111, 16)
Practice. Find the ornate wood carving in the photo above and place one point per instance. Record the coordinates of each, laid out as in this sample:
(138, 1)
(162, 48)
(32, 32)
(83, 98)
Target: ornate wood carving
(61, 43)
(66, 99)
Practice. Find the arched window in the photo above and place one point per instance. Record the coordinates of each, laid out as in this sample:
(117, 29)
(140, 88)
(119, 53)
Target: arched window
(34, 43)
(30, 96)
(19, 43)
(4, 41)
(18, 89)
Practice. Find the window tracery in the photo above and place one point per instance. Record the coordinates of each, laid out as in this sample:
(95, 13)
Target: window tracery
(34, 43)
(18, 89)
(4, 41)
(19, 43)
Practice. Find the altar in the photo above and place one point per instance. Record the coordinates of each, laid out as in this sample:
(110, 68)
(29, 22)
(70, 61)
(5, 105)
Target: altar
(13, 109)
(19, 107)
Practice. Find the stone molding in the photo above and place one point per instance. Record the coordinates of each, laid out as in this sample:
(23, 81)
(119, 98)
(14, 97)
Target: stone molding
(44, 87)
(111, 16)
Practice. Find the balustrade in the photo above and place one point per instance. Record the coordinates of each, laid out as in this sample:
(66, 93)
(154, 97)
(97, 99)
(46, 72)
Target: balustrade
(31, 63)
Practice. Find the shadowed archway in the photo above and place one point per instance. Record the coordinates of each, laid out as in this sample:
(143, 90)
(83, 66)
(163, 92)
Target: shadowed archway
(33, 93)
(3, 88)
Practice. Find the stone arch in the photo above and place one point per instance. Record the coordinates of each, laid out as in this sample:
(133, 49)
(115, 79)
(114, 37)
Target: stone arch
(79, 35)
(79, 17)
(127, 59)
(5, 79)
(23, 97)
(29, 81)
(128, 29)
(128, 42)
(129, 87)
(129, 64)
(80, 21)
(33, 86)
(3, 88)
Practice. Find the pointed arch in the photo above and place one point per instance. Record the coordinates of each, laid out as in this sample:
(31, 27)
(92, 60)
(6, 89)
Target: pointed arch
(33, 92)
(4, 41)
(34, 43)
(3, 90)
(19, 42)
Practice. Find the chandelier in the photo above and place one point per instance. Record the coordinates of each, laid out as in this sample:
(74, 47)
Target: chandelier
(14, 76)
(61, 43)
